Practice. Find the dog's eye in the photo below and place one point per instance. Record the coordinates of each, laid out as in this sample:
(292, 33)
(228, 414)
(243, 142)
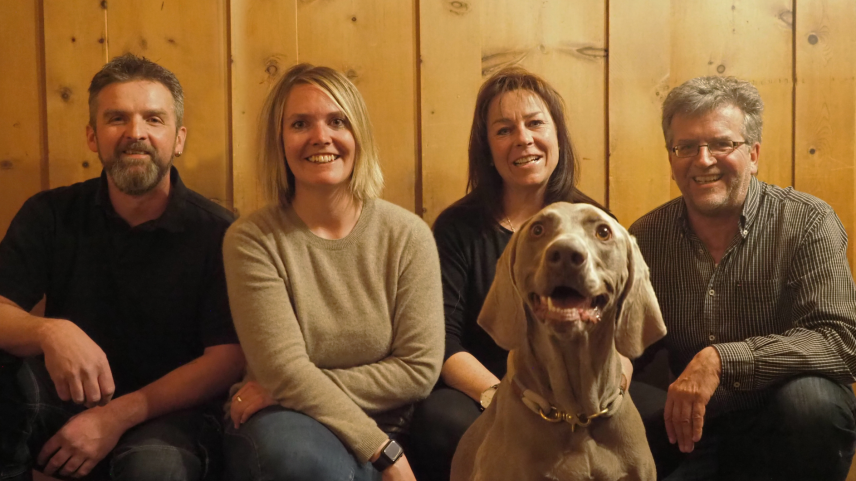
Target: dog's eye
(603, 232)
(537, 229)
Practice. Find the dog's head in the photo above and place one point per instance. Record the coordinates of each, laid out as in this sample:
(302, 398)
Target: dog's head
(573, 267)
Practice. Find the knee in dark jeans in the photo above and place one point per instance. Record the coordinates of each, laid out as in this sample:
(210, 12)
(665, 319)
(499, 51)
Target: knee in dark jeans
(813, 420)
(156, 463)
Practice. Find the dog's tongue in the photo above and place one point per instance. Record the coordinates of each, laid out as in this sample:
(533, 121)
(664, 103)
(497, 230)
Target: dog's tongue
(567, 308)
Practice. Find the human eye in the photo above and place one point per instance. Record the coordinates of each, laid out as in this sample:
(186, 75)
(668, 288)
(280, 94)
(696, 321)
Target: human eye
(686, 150)
(503, 131)
(339, 122)
(537, 122)
(298, 124)
(721, 146)
(156, 120)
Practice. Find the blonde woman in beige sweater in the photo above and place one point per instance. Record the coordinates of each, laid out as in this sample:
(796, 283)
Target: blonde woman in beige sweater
(335, 295)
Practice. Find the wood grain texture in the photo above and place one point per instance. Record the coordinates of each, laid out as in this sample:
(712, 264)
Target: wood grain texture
(451, 74)
(189, 38)
(374, 44)
(75, 49)
(264, 46)
(639, 174)
(825, 147)
(21, 108)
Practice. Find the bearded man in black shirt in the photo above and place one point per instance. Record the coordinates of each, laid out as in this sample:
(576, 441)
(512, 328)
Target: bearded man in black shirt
(759, 303)
(122, 376)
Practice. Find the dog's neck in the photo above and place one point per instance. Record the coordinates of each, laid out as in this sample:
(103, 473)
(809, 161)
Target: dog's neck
(578, 376)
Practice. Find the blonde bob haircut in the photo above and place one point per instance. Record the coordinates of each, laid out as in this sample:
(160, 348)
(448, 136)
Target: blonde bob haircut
(366, 179)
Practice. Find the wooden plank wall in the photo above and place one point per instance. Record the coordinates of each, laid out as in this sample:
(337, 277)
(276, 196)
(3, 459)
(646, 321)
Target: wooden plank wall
(419, 65)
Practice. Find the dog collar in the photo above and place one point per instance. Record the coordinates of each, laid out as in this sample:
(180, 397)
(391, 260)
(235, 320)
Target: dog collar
(537, 404)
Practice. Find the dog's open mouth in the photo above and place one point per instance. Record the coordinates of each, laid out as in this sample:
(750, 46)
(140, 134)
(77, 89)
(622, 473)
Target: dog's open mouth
(567, 304)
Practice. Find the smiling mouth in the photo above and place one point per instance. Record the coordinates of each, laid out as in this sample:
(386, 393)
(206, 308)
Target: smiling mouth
(565, 304)
(322, 158)
(527, 160)
(707, 179)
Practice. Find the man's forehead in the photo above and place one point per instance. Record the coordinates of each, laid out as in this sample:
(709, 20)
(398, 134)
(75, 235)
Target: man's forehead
(723, 116)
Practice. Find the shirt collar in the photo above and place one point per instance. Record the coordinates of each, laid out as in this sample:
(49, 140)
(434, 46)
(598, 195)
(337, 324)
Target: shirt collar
(747, 215)
(171, 220)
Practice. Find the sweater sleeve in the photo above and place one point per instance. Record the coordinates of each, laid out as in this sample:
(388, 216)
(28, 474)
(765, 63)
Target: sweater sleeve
(413, 365)
(274, 346)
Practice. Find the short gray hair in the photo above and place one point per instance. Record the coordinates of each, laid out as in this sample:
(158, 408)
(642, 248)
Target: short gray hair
(128, 68)
(701, 95)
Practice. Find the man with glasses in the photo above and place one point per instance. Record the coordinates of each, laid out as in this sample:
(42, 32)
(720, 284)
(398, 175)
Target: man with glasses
(759, 302)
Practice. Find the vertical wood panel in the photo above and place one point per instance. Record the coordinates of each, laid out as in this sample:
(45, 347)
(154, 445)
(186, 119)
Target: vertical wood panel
(75, 49)
(264, 46)
(189, 38)
(450, 42)
(373, 43)
(826, 107)
(21, 115)
(638, 83)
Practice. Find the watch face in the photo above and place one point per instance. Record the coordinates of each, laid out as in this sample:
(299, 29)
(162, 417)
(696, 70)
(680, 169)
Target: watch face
(487, 397)
(393, 451)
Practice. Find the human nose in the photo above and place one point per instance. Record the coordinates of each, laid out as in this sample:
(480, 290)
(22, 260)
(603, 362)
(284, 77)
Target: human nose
(704, 156)
(523, 137)
(136, 129)
(319, 134)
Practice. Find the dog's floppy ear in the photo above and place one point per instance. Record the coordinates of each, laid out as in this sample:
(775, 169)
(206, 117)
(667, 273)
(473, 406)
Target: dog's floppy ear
(640, 322)
(502, 314)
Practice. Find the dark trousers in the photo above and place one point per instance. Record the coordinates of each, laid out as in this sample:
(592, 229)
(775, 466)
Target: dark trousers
(438, 424)
(184, 445)
(806, 431)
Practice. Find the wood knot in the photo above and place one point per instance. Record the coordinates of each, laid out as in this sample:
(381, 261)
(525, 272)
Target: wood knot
(351, 74)
(353, 19)
(171, 41)
(73, 39)
(6, 165)
(812, 39)
(85, 164)
(811, 151)
(65, 94)
(104, 4)
(101, 40)
(720, 68)
(458, 7)
(144, 44)
(272, 68)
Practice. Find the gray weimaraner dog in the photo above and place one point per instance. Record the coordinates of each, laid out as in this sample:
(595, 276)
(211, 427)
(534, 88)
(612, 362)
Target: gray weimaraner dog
(571, 292)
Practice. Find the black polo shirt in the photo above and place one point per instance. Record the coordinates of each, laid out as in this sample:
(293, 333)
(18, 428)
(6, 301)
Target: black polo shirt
(153, 296)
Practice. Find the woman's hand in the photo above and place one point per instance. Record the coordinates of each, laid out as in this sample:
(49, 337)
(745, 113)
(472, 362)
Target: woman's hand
(250, 399)
(400, 471)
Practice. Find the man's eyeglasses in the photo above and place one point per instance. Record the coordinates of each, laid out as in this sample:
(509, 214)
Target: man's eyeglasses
(717, 148)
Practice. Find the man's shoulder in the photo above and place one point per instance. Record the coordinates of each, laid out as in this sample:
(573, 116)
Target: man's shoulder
(658, 220)
(206, 210)
(792, 199)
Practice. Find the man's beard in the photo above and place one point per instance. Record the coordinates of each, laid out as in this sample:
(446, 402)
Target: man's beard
(126, 173)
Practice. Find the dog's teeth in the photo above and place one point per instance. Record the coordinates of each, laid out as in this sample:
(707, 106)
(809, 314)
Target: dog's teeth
(550, 304)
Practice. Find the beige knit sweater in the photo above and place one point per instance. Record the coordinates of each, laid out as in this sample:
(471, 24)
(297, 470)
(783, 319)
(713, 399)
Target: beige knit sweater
(337, 329)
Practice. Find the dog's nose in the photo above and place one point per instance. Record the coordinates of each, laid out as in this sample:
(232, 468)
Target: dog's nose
(566, 254)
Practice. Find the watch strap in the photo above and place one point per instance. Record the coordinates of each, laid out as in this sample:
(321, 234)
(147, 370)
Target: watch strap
(389, 454)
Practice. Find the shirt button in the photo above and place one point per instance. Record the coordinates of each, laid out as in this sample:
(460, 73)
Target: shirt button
(701, 251)
(711, 292)
(711, 337)
(745, 231)
(736, 383)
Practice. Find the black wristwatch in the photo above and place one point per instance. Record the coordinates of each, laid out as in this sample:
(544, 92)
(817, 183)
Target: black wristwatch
(388, 455)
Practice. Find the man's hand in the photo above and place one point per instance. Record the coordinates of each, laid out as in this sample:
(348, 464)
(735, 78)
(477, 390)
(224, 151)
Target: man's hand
(688, 397)
(77, 366)
(400, 471)
(250, 399)
(84, 441)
